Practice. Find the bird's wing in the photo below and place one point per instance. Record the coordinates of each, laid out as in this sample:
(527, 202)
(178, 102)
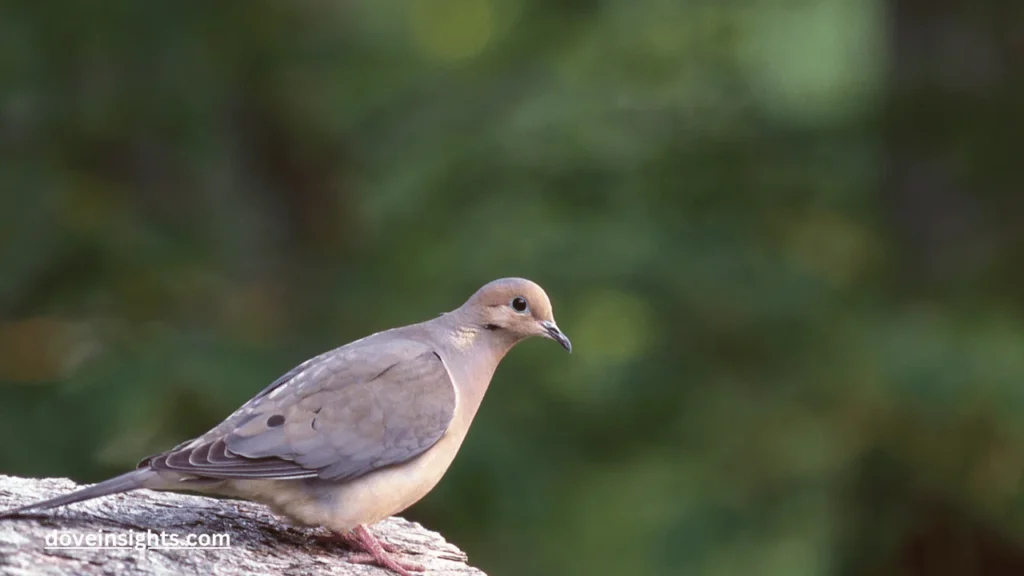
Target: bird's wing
(337, 416)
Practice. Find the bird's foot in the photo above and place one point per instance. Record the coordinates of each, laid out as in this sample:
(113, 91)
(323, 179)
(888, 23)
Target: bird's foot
(389, 547)
(385, 560)
(372, 550)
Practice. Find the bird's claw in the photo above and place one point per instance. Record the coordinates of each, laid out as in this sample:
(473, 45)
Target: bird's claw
(368, 549)
(400, 567)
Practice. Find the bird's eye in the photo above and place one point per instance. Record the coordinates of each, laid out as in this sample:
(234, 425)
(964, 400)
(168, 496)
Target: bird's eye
(519, 304)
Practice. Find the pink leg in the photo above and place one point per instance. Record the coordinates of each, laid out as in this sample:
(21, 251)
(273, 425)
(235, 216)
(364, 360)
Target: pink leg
(352, 542)
(375, 552)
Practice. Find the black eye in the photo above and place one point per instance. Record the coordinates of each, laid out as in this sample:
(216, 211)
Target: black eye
(519, 304)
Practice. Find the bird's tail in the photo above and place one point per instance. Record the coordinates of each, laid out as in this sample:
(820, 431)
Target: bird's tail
(124, 483)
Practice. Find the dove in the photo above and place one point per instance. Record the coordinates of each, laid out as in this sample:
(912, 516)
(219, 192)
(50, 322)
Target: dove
(356, 434)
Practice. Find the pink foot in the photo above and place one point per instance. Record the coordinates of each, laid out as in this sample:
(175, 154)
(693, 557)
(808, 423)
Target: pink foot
(400, 567)
(373, 551)
(389, 547)
(352, 542)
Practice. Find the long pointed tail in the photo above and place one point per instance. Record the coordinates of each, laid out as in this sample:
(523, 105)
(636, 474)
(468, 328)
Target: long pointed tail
(123, 483)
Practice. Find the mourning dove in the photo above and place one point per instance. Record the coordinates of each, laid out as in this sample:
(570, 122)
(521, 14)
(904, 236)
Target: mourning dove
(358, 433)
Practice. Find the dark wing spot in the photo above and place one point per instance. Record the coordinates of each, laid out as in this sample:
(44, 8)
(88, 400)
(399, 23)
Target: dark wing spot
(275, 420)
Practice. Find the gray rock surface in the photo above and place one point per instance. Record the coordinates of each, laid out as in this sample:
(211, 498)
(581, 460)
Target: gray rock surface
(258, 542)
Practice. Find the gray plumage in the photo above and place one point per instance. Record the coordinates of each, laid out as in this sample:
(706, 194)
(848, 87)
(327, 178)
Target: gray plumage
(368, 405)
(358, 433)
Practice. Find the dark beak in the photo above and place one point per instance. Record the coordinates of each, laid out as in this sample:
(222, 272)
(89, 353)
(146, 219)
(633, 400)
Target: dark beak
(552, 331)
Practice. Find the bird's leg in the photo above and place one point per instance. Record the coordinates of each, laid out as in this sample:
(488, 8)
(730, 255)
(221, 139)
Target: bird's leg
(352, 542)
(376, 552)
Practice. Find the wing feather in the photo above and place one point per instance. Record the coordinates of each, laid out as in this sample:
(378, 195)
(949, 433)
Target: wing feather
(337, 416)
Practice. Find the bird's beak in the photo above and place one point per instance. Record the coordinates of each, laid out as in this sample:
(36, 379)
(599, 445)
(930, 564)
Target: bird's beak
(552, 331)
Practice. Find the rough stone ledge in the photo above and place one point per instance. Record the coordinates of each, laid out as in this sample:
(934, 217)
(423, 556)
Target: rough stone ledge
(260, 543)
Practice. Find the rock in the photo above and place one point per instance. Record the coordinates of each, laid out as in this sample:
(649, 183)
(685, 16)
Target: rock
(152, 533)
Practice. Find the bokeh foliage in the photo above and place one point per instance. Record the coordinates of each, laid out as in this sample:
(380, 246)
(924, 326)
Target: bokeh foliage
(778, 235)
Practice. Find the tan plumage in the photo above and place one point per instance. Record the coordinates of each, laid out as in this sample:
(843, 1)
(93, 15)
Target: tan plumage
(358, 433)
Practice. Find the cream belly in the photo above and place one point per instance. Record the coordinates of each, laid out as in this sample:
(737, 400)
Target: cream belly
(341, 506)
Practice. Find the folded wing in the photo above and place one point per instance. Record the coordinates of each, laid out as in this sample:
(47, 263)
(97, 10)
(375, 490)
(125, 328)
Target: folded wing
(338, 416)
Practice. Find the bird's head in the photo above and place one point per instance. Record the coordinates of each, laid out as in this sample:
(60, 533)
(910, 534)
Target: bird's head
(516, 307)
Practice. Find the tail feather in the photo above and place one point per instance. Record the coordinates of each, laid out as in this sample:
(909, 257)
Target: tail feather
(123, 483)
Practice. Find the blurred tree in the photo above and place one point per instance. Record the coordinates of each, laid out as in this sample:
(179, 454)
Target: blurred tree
(797, 343)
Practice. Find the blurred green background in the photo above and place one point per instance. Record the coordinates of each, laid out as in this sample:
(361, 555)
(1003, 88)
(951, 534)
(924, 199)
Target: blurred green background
(784, 237)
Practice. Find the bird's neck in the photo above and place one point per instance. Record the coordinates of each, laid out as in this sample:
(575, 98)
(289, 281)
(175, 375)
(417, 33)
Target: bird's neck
(479, 351)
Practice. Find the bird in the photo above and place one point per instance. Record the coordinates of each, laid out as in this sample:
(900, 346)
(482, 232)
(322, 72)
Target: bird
(358, 433)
